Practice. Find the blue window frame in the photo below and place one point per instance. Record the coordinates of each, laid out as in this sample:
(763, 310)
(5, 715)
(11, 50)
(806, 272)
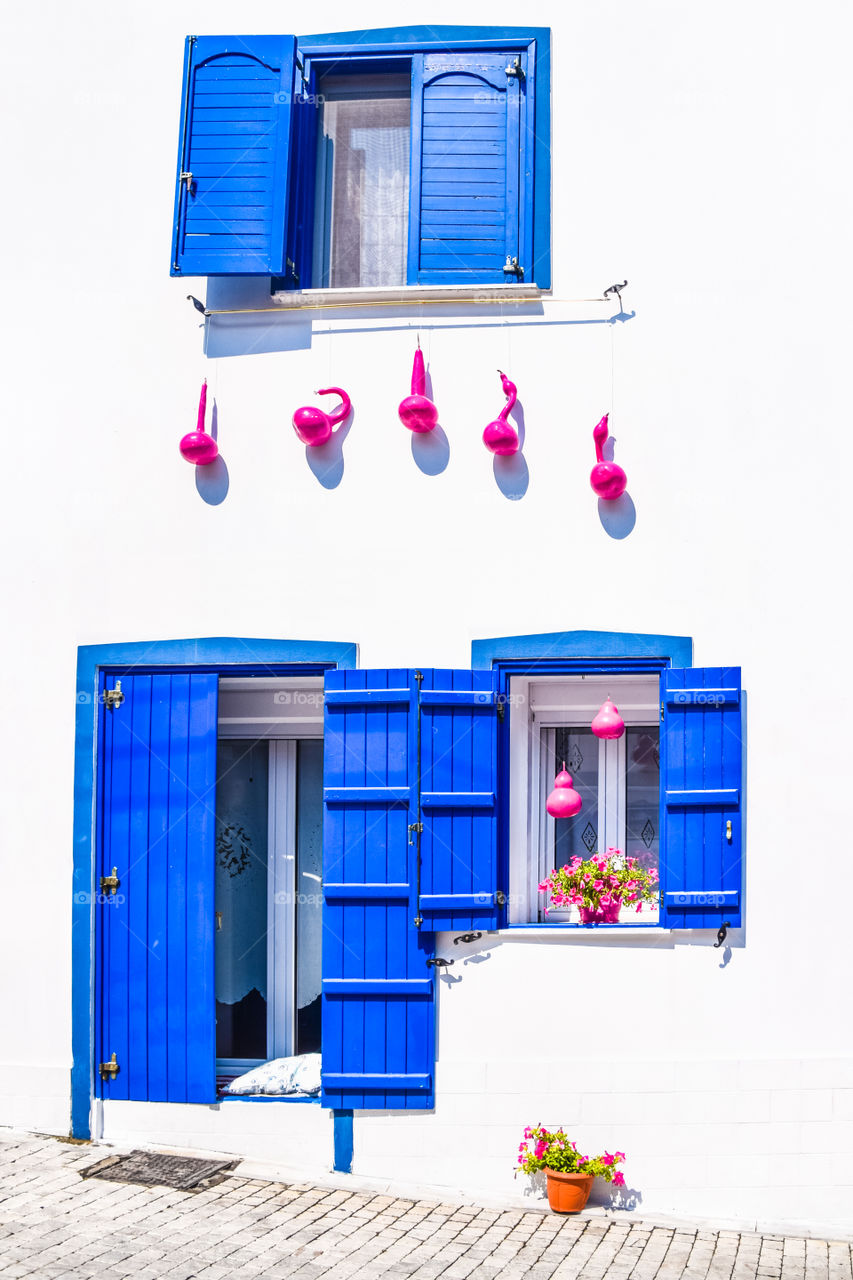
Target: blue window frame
(479, 176)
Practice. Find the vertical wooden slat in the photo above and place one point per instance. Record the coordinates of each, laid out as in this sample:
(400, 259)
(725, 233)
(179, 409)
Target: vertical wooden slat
(140, 722)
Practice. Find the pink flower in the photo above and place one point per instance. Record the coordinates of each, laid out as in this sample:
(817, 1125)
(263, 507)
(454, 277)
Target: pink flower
(618, 1179)
(639, 907)
(528, 1132)
(614, 880)
(599, 884)
(541, 1148)
(607, 1158)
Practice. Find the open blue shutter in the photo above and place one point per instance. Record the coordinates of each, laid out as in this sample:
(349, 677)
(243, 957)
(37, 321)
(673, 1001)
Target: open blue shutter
(459, 869)
(701, 797)
(231, 199)
(156, 794)
(468, 172)
(378, 993)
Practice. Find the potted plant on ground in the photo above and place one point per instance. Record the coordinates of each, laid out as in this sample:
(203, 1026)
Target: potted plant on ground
(570, 1175)
(599, 886)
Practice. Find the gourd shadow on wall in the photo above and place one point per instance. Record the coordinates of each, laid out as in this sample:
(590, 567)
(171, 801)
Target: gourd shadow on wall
(431, 449)
(511, 472)
(326, 461)
(617, 515)
(212, 481)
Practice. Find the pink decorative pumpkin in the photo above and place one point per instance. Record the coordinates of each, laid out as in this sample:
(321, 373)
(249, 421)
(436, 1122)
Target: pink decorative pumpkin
(500, 436)
(197, 446)
(607, 478)
(416, 411)
(313, 426)
(608, 723)
(564, 801)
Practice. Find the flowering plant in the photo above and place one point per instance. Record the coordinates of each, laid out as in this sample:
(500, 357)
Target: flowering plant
(542, 1149)
(600, 882)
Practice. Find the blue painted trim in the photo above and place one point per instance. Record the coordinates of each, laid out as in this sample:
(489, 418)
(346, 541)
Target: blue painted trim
(225, 654)
(415, 39)
(256, 1097)
(555, 646)
(343, 1141)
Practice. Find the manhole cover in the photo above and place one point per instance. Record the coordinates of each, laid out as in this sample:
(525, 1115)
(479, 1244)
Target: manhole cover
(153, 1169)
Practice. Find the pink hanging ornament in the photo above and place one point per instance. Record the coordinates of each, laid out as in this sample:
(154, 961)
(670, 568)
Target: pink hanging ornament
(416, 411)
(313, 426)
(564, 801)
(608, 723)
(197, 446)
(607, 478)
(499, 436)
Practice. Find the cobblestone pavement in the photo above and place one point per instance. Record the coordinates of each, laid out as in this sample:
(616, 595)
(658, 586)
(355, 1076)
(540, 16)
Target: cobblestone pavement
(53, 1223)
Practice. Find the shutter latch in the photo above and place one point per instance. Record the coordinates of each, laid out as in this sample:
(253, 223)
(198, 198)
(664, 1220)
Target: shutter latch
(109, 884)
(417, 828)
(113, 698)
(511, 268)
(661, 710)
(109, 1070)
(514, 70)
(189, 180)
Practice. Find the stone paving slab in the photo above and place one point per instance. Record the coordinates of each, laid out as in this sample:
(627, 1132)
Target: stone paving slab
(58, 1225)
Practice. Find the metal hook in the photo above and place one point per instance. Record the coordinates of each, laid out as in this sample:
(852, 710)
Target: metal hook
(721, 933)
(617, 289)
(467, 937)
(199, 306)
(438, 963)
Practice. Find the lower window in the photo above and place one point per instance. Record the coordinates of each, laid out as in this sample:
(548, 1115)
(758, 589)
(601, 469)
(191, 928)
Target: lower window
(618, 782)
(268, 879)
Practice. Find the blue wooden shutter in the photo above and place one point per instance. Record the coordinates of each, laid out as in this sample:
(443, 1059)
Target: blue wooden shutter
(233, 157)
(378, 993)
(469, 177)
(459, 870)
(701, 793)
(157, 779)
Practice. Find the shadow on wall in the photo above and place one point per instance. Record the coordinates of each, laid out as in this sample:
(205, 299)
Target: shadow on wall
(212, 481)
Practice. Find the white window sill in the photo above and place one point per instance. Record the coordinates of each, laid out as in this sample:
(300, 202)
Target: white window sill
(585, 932)
(407, 295)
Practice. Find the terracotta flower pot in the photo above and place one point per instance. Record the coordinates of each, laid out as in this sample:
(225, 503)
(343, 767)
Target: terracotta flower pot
(568, 1192)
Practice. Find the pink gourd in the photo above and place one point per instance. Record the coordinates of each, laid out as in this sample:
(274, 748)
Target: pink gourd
(564, 801)
(499, 436)
(607, 478)
(417, 412)
(313, 425)
(607, 722)
(197, 446)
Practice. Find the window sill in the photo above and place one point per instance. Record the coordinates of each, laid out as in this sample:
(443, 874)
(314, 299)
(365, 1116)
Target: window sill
(407, 295)
(584, 932)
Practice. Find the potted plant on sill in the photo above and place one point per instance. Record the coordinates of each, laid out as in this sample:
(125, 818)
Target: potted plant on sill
(570, 1175)
(599, 886)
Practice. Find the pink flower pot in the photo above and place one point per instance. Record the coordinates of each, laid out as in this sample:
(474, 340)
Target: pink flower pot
(606, 915)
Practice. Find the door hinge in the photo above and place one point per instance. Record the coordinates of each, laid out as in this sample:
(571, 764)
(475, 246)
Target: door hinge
(500, 898)
(189, 180)
(501, 710)
(109, 1070)
(661, 710)
(109, 884)
(514, 69)
(511, 268)
(113, 697)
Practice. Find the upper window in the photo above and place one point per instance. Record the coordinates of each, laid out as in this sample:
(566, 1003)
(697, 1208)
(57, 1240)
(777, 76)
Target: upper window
(412, 156)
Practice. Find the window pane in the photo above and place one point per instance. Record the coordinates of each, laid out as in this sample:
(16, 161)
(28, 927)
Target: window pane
(363, 180)
(580, 835)
(309, 894)
(642, 795)
(240, 938)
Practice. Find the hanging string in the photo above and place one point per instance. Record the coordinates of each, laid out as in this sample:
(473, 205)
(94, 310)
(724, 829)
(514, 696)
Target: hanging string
(612, 367)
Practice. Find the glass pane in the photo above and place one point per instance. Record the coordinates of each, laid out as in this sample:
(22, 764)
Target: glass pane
(242, 791)
(309, 893)
(363, 180)
(642, 795)
(578, 750)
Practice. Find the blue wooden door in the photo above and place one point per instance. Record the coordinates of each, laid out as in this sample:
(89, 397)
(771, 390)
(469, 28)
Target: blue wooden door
(701, 797)
(156, 791)
(468, 170)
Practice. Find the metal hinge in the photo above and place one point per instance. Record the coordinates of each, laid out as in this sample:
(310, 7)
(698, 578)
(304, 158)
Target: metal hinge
(500, 898)
(501, 710)
(514, 70)
(109, 884)
(511, 268)
(109, 1070)
(114, 697)
(189, 180)
(293, 274)
(661, 710)
(416, 827)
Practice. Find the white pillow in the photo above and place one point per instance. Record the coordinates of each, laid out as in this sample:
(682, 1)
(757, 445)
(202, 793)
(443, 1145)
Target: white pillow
(300, 1074)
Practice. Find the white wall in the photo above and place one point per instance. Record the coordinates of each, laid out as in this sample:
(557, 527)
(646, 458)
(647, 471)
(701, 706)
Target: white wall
(698, 151)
